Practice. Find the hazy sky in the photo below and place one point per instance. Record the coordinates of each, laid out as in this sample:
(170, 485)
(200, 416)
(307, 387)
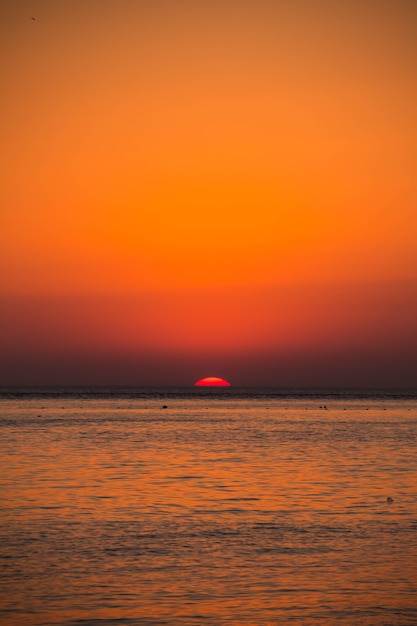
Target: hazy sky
(209, 188)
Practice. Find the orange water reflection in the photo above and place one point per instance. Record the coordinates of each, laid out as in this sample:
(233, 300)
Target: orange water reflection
(247, 516)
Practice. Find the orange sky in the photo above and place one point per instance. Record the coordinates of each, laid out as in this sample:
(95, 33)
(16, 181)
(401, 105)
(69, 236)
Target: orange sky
(188, 181)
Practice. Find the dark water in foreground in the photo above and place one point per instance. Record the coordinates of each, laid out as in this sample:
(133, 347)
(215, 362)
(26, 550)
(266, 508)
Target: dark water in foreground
(223, 508)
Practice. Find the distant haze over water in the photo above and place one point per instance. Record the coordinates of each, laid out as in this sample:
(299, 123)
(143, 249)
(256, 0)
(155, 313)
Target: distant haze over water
(212, 392)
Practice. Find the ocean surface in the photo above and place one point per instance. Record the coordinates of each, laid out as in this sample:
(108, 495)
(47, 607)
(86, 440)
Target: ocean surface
(208, 506)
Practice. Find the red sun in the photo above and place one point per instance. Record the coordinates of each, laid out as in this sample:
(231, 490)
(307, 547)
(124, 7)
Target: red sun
(212, 381)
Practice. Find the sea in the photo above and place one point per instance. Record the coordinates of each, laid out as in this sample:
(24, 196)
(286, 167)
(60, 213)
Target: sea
(208, 506)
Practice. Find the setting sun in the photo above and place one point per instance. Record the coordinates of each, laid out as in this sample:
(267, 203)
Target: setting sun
(212, 381)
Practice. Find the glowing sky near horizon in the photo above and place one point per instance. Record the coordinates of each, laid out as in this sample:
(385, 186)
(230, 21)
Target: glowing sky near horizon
(192, 186)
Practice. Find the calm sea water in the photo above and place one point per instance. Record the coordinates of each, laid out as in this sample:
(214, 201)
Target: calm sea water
(225, 507)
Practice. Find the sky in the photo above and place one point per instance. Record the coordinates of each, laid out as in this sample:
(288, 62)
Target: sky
(198, 188)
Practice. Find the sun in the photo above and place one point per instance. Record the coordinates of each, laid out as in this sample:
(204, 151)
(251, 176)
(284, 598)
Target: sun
(212, 381)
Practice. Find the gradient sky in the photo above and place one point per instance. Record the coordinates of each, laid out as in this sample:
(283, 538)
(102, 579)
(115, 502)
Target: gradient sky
(197, 188)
